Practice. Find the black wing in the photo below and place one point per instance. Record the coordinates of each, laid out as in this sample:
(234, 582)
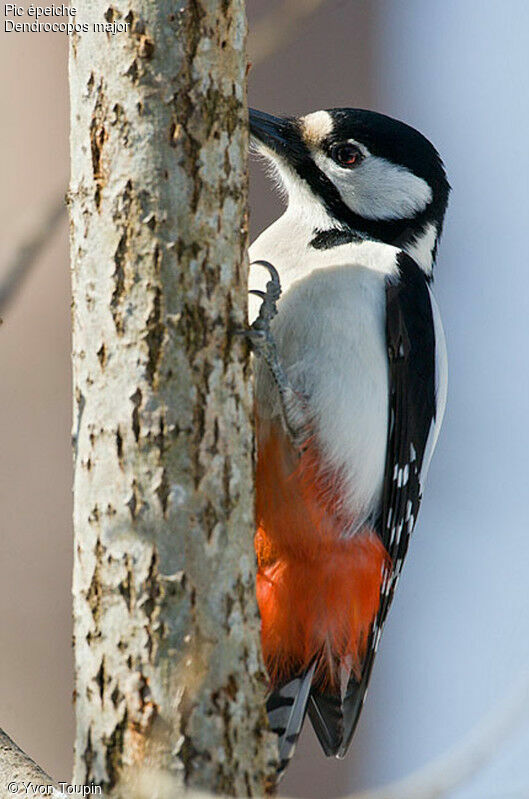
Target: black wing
(410, 335)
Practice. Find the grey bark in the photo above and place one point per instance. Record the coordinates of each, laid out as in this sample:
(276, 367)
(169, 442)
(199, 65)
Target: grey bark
(168, 665)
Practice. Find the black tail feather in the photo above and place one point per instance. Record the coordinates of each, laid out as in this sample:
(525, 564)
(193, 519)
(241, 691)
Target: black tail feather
(352, 705)
(335, 718)
(325, 713)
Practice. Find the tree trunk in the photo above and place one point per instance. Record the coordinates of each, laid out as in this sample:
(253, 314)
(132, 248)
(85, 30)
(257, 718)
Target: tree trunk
(168, 665)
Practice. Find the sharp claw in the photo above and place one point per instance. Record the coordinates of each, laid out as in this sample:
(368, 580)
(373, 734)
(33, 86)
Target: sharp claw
(274, 274)
(259, 331)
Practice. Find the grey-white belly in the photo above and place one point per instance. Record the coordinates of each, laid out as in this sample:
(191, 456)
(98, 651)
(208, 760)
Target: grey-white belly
(330, 334)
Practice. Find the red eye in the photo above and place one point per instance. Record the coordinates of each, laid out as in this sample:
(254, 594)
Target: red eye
(346, 154)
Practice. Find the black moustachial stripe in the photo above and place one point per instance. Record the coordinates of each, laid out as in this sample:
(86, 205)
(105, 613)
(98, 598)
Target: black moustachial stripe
(403, 230)
(326, 239)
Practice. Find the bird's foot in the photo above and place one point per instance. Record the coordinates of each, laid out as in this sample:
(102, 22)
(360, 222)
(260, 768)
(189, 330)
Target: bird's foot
(259, 334)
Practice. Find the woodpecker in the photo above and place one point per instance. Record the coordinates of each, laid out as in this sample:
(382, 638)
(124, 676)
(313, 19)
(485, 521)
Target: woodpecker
(351, 377)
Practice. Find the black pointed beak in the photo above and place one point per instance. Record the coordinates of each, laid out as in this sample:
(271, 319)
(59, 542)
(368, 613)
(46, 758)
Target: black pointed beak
(278, 134)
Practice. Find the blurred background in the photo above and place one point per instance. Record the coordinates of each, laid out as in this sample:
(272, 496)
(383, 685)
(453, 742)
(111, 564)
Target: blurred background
(458, 634)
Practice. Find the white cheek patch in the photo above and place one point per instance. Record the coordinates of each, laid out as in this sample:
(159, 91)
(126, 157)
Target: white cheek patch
(315, 127)
(376, 188)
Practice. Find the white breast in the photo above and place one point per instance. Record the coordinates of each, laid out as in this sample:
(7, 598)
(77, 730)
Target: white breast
(330, 333)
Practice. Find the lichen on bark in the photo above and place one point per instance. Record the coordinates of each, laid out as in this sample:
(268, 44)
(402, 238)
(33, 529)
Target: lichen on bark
(168, 665)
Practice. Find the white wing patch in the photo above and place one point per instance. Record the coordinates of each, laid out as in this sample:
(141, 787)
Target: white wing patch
(441, 388)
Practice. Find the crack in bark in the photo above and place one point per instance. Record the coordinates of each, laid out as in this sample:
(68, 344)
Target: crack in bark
(155, 338)
(95, 591)
(136, 399)
(98, 137)
(114, 752)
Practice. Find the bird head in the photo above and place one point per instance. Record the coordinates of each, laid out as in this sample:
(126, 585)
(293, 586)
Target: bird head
(356, 174)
